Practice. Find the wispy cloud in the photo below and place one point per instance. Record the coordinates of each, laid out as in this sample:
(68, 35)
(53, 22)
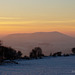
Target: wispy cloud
(33, 22)
(66, 21)
(17, 22)
(9, 18)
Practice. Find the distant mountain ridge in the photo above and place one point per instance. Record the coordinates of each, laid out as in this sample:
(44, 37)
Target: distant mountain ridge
(48, 41)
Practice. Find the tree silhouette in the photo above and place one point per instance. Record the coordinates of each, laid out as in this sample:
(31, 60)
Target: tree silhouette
(9, 53)
(0, 42)
(73, 50)
(57, 54)
(1, 54)
(19, 54)
(36, 53)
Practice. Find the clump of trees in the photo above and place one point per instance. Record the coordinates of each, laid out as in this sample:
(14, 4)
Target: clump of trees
(66, 55)
(36, 53)
(57, 54)
(26, 57)
(60, 53)
(8, 53)
(19, 55)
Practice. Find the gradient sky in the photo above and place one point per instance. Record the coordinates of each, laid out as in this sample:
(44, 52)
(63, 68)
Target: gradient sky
(27, 16)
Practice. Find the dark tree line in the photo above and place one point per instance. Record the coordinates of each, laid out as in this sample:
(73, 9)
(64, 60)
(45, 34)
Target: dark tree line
(8, 53)
(60, 53)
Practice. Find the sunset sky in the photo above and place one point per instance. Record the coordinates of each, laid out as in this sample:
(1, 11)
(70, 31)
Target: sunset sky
(27, 16)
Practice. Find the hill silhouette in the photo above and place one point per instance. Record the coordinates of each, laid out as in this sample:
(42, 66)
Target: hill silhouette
(49, 42)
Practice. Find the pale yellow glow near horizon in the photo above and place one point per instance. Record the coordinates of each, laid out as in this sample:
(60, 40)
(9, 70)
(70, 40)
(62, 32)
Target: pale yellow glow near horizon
(10, 25)
(12, 20)
(36, 27)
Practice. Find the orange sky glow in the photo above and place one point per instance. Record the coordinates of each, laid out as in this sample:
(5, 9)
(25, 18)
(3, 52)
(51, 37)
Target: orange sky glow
(28, 16)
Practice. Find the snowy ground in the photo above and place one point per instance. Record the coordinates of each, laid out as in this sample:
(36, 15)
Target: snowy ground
(45, 66)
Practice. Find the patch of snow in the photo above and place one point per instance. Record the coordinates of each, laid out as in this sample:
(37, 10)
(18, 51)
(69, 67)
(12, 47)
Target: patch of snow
(45, 66)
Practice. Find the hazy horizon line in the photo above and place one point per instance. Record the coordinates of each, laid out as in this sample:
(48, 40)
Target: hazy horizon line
(35, 32)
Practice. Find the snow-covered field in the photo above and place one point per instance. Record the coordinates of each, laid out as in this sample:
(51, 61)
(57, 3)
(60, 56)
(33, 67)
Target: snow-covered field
(45, 66)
